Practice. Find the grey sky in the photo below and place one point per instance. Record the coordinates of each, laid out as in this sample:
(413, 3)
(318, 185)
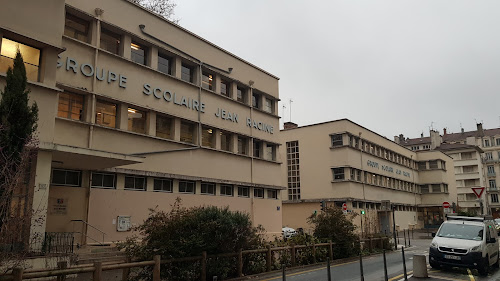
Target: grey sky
(391, 66)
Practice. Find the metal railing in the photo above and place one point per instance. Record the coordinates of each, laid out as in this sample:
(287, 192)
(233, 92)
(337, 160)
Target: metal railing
(87, 236)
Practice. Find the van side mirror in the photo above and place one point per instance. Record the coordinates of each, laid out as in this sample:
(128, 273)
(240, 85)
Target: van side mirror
(433, 234)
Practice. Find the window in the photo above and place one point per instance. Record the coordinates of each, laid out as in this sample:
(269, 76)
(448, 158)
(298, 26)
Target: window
(256, 100)
(224, 88)
(272, 194)
(164, 126)
(240, 94)
(66, 177)
(208, 188)
(337, 140)
(271, 152)
(433, 164)
(70, 106)
(486, 143)
(225, 141)
(424, 189)
(243, 191)
(493, 184)
(494, 198)
(76, 28)
(110, 41)
(136, 120)
(469, 183)
(354, 204)
(422, 166)
(338, 174)
(488, 156)
(187, 187)
(138, 53)
(491, 170)
(187, 132)
(226, 190)
(292, 156)
(164, 63)
(105, 114)
(103, 180)
(187, 73)
(31, 57)
(466, 155)
(165, 185)
(258, 193)
(268, 106)
(468, 169)
(207, 81)
(207, 137)
(436, 188)
(242, 145)
(497, 141)
(134, 182)
(257, 149)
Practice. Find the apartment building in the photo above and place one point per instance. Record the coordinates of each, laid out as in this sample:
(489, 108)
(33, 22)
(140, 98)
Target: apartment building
(476, 157)
(341, 162)
(135, 112)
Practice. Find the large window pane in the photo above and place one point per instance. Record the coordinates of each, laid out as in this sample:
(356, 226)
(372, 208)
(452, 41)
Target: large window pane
(31, 57)
(164, 63)
(138, 53)
(70, 106)
(225, 141)
(207, 81)
(105, 114)
(187, 73)
(187, 186)
(164, 127)
(208, 137)
(187, 132)
(76, 28)
(136, 120)
(110, 41)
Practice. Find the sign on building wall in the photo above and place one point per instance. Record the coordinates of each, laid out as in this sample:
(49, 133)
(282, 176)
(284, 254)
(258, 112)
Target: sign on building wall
(58, 206)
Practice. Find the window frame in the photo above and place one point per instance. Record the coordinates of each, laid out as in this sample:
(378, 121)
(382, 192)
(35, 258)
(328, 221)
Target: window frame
(339, 176)
(108, 34)
(274, 194)
(70, 106)
(208, 186)
(163, 180)
(105, 102)
(224, 188)
(135, 55)
(241, 192)
(188, 184)
(92, 184)
(130, 125)
(11, 59)
(65, 177)
(145, 183)
(77, 20)
(191, 72)
(257, 190)
(167, 58)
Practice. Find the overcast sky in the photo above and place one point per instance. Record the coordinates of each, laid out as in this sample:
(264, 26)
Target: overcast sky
(391, 66)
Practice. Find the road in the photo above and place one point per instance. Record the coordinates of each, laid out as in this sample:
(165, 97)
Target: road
(373, 268)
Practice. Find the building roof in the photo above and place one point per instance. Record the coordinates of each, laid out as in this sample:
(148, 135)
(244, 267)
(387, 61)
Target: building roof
(457, 146)
(416, 141)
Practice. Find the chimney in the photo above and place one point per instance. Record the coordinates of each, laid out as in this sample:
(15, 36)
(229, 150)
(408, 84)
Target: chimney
(480, 131)
(462, 130)
(396, 139)
(289, 125)
(444, 131)
(422, 135)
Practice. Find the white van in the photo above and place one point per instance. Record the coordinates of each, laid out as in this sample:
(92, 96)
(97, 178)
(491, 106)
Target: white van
(465, 242)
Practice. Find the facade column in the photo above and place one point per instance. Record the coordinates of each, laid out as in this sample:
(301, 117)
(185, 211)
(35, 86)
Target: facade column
(152, 57)
(122, 116)
(176, 67)
(125, 50)
(151, 123)
(40, 198)
(176, 129)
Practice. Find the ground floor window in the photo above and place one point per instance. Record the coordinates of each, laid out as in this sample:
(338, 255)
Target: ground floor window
(66, 177)
(243, 191)
(226, 189)
(103, 180)
(136, 183)
(164, 185)
(258, 193)
(208, 188)
(272, 194)
(187, 186)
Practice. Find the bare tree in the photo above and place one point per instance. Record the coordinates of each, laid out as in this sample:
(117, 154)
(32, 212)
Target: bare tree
(164, 8)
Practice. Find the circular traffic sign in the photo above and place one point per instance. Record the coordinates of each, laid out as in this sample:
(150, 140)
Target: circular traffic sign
(344, 207)
(446, 205)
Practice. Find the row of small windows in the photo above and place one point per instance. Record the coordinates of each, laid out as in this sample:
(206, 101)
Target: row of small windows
(431, 165)
(371, 148)
(372, 179)
(71, 106)
(62, 177)
(79, 29)
(490, 142)
(424, 147)
(378, 206)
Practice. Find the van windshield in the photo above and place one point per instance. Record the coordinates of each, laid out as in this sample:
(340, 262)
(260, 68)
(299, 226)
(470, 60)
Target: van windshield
(461, 231)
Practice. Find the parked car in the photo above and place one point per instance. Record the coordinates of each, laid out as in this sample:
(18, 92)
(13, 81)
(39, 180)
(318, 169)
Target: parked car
(465, 242)
(497, 224)
(288, 232)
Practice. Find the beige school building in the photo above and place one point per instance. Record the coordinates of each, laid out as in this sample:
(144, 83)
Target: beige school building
(135, 112)
(340, 162)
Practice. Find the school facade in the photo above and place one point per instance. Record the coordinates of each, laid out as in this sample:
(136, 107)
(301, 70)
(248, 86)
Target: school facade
(135, 112)
(340, 162)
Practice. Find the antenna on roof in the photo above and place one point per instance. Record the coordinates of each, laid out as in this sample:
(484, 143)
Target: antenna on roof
(290, 109)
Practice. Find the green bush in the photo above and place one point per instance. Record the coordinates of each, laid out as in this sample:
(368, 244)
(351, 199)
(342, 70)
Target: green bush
(184, 232)
(332, 224)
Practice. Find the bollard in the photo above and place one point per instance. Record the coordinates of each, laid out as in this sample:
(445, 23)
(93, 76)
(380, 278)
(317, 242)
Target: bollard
(361, 266)
(204, 266)
(214, 278)
(404, 263)
(268, 258)
(420, 266)
(17, 274)
(284, 272)
(409, 242)
(328, 272)
(97, 271)
(385, 267)
(404, 235)
(126, 271)
(156, 268)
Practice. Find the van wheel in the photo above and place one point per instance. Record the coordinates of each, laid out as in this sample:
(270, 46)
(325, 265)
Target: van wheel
(484, 268)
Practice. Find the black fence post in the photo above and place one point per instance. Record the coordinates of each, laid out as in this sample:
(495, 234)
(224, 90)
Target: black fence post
(385, 267)
(404, 235)
(409, 241)
(328, 272)
(361, 266)
(284, 272)
(404, 263)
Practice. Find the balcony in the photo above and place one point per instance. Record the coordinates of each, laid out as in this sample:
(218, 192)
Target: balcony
(491, 174)
(492, 189)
